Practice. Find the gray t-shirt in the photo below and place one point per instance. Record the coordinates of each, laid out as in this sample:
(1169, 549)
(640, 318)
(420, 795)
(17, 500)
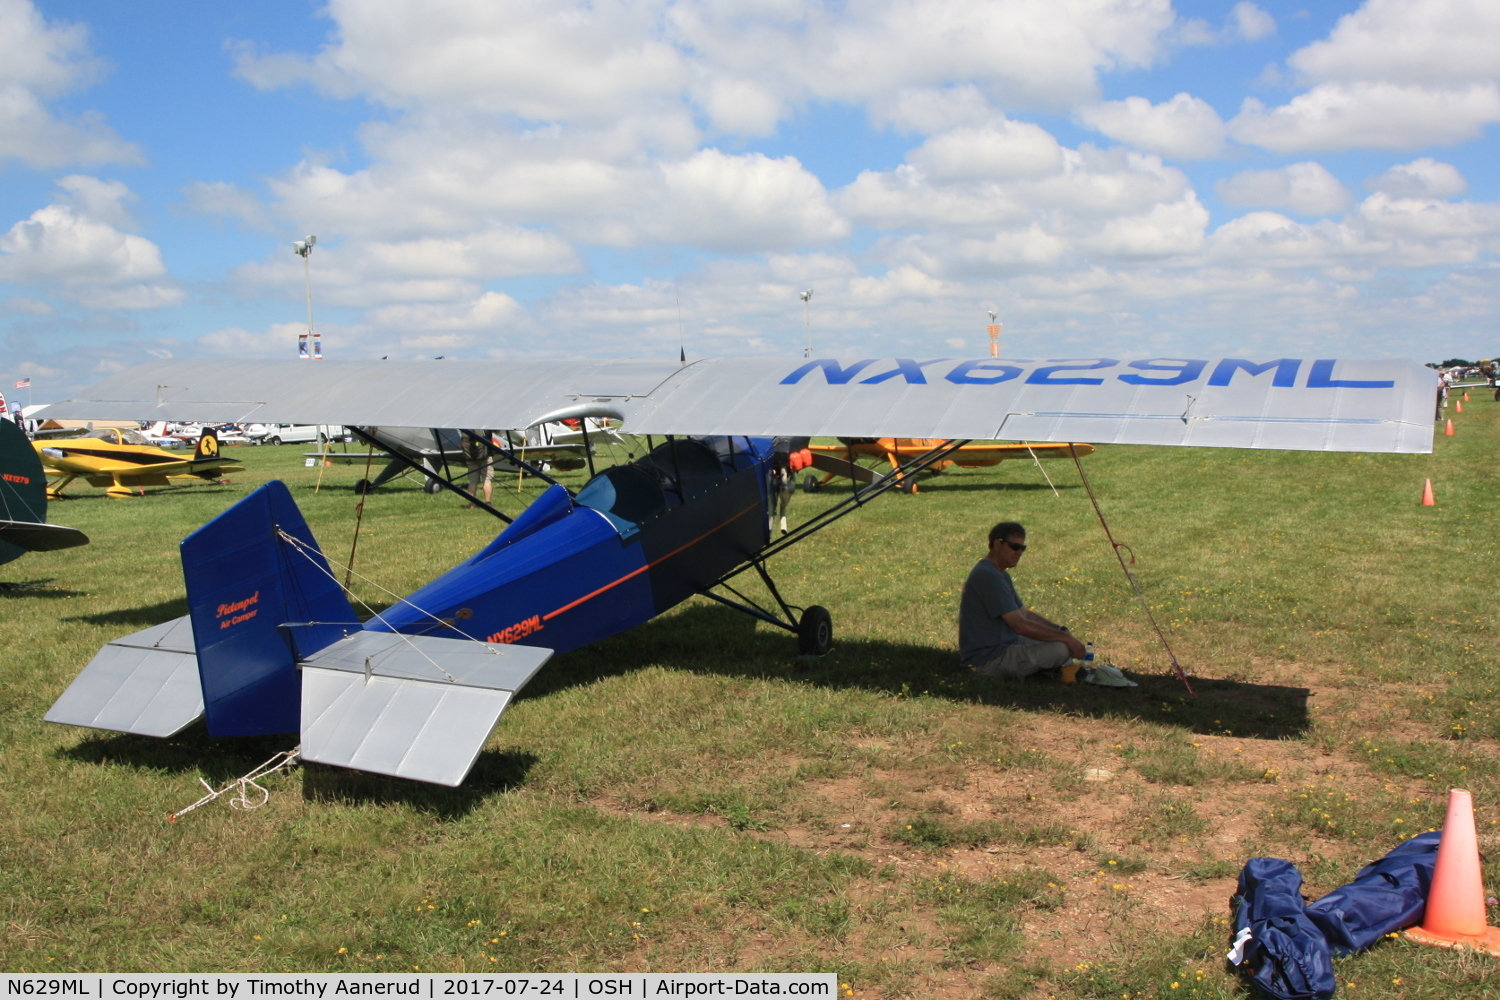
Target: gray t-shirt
(982, 633)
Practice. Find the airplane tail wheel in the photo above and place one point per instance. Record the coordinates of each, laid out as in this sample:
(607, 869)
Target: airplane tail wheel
(362, 487)
(815, 632)
(432, 486)
(810, 484)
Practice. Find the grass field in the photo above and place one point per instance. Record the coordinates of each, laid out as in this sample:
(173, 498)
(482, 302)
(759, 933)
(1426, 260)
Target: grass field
(690, 797)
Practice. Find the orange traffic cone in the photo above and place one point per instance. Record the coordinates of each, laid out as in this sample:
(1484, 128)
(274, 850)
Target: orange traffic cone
(1466, 397)
(1455, 903)
(1458, 407)
(1427, 498)
(1449, 430)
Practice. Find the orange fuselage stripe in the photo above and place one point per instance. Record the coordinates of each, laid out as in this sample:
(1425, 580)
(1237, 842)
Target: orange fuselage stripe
(637, 572)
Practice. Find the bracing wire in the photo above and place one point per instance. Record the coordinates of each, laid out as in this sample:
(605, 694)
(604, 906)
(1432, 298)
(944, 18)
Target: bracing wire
(302, 547)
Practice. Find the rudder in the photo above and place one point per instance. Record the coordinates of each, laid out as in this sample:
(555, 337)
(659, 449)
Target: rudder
(260, 595)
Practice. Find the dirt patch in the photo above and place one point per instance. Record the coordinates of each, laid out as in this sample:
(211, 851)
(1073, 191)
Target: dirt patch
(1088, 785)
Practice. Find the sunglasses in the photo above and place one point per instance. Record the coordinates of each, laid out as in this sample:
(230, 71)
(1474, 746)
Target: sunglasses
(1017, 546)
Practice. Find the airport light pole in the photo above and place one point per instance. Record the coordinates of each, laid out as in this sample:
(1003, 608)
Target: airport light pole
(303, 249)
(807, 316)
(994, 330)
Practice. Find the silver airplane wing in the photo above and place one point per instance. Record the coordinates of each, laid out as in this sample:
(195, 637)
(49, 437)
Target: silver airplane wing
(1313, 404)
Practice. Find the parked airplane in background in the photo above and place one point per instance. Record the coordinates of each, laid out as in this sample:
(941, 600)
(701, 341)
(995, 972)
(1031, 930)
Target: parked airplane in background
(271, 645)
(430, 450)
(842, 459)
(124, 462)
(23, 501)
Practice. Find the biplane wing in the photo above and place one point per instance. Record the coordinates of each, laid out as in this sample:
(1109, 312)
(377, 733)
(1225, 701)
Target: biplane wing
(1317, 404)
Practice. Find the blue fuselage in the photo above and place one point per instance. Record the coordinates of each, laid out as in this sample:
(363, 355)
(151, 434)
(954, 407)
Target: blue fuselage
(635, 541)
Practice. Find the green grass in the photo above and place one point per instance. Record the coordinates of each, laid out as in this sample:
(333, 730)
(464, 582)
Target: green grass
(690, 796)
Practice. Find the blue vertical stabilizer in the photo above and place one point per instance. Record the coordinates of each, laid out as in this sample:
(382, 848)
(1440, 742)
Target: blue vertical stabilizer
(257, 603)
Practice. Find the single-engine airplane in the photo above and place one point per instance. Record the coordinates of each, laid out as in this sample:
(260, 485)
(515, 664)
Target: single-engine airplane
(429, 450)
(23, 501)
(842, 459)
(124, 461)
(271, 644)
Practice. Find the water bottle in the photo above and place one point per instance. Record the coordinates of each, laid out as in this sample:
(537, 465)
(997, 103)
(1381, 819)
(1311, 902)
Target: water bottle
(1088, 655)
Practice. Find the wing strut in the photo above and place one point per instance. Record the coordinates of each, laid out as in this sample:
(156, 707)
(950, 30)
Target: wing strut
(1135, 586)
(432, 475)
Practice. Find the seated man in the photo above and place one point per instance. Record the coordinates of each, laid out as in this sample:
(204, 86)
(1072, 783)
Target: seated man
(998, 636)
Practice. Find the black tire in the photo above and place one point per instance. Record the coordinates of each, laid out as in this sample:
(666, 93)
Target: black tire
(363, 487)
(815, 631)
(432, 486)
(810, 484)
(274, 442)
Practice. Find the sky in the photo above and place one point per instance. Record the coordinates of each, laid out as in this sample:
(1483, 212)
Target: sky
(517, 178)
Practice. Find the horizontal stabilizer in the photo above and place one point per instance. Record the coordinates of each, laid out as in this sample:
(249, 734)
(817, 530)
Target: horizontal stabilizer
(412, 707)
(146, 683)
(35, 537)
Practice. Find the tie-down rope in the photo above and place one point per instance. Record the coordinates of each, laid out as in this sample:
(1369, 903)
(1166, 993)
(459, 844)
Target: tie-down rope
(1134, 584)
(284, 761)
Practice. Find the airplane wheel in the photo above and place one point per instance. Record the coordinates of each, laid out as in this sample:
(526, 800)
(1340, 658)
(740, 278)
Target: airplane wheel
(432, 486)
(810, 484)
(362, 487)
(815, 632)
(908, 485)
(275, 442)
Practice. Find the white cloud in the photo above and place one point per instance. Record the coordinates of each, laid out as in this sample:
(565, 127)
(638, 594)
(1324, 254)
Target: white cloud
(1440, 43)
(277, 340)
(376, 273)
(1305, 188)
(742, 65)
(28, 306)
(39, 61)
(998, 151)
(1183, 128)
(492, 311)
(85, 258)
(225, 200)
(103, 201)
(1165, 230)
(1426, 221)
(926, 110)
(1395, 74)
(1421, 178)
(742, 203)
(1250, 22)
(1364, 115)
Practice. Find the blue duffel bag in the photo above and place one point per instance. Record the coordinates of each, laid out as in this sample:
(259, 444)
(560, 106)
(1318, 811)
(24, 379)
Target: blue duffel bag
(1384, 897)
(1286, 952)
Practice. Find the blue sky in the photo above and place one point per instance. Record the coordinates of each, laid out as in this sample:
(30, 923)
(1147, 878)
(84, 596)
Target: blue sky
(621, 178)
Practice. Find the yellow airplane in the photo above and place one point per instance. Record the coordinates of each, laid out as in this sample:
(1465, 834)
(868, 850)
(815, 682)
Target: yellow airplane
(840, 459)
(124, 462)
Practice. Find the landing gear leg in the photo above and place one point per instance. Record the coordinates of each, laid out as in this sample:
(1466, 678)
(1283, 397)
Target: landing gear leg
(813, 627)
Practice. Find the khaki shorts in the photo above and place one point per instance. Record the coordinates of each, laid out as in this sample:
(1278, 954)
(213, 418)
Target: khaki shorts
(1027, 657)
(481, 472)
